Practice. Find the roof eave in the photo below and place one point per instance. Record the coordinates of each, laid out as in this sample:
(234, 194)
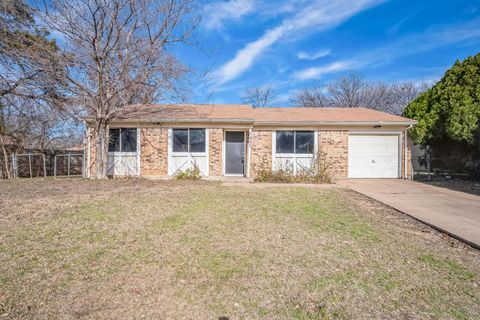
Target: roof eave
(196, 120)
(335, 123)
(265, 123)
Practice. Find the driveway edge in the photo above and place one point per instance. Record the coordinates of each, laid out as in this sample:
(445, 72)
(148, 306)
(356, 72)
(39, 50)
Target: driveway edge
(453, 235)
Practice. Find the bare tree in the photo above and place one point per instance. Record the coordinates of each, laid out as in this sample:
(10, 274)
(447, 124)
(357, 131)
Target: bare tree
(28, 60)
(347, 91)
(391, 97)
(117, 53)
(314, 97)
(405, 92)
(259, 97)
(354, 91)
(32, 86)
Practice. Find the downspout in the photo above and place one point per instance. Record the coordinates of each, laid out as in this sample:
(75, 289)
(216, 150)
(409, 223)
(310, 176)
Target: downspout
(249, 150)
(406, 155)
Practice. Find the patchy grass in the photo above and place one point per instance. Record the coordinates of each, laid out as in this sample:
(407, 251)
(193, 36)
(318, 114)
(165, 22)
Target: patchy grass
(448, 265)
(135, 248)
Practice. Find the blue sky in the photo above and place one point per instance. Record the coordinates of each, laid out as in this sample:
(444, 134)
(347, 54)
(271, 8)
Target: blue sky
(292, 44)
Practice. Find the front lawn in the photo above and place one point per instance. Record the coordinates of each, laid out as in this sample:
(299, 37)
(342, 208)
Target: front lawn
(173, 250)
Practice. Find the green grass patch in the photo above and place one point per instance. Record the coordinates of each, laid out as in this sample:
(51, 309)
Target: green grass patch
(448, 265)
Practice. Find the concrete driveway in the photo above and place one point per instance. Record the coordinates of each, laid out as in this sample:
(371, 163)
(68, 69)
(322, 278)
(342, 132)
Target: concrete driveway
(453, 212)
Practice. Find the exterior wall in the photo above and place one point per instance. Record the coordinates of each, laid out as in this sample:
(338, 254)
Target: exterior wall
(215, 137)
(333, 152)
(154, 151)
(409, 158)
(261, 146)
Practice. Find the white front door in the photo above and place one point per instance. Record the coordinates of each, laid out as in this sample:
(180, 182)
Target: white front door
(373, 156)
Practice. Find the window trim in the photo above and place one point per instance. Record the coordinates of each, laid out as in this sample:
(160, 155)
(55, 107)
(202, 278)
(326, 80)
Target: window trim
(294, 156)
(137, 142)
(118, 155)
(186, 155)
(188, 152)
(295, 144)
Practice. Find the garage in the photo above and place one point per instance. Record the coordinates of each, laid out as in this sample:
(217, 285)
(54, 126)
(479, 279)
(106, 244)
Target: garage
(373, 156)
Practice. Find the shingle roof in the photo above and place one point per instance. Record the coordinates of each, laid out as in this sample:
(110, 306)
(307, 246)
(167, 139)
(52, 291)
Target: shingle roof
(245, 113)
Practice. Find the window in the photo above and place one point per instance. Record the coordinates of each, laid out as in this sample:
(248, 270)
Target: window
(122, 140)
(298, 142)
(285, 141)
(188, 140)
(197, 140)
(114, 142)
(304, 141)
(180, 140)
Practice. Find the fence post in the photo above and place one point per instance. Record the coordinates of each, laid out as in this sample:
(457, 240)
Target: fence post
(44, 166)
(30, 164)
(428, 157)
(55, 166)
(68, 165)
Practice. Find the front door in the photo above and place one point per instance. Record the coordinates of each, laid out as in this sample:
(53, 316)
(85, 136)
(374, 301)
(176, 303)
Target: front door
(234, 152)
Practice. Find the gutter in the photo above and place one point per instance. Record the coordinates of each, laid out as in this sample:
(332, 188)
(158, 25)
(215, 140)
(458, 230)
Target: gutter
(264, 123)
(341, 123)
(192, 120)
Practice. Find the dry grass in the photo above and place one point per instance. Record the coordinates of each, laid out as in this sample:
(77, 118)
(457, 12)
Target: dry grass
(133, 248)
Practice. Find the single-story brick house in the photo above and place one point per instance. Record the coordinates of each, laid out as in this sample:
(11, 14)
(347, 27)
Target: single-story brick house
(235, 140)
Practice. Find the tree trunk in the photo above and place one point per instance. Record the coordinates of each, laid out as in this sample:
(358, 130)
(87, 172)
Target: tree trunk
(5, 158)
(101, 155)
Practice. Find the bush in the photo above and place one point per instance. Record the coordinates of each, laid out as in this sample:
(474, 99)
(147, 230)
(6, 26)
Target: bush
(317, 173)
(189, 174)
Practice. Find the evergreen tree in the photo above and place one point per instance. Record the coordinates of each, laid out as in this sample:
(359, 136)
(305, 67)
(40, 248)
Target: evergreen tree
(450, 110)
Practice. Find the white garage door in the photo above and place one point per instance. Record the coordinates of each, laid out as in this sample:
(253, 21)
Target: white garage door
(373, 156)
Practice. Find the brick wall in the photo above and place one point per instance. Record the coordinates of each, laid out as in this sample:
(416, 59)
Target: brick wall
(215, 141)
(409, 158)
(261, 146)
(154, 151)
(333, 152)
(332, 147)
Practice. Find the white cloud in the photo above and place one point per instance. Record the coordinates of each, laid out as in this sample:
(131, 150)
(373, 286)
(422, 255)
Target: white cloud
(320, 15)
(312, 56)
(415, 43)
(318, 72)
(217, 13)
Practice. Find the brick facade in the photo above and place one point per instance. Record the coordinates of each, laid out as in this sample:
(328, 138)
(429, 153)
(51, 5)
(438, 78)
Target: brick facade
(333, 152)
(409, 158)
(215, 142)
(154, 151)
(261, 146)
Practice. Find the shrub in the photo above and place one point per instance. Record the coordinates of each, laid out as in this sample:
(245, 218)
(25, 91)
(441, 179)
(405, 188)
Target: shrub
(189, 174)
(316, 173)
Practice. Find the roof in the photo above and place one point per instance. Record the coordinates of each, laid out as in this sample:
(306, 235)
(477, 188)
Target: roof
(245, 113)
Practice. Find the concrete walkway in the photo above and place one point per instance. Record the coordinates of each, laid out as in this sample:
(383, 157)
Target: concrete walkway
(453, 212)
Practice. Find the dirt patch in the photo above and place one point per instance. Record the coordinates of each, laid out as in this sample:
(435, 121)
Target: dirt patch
(468, 186)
